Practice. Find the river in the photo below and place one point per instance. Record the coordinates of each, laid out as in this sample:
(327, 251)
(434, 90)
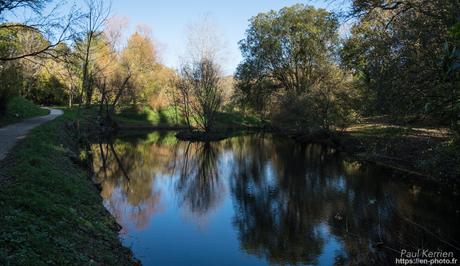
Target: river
(260, 199)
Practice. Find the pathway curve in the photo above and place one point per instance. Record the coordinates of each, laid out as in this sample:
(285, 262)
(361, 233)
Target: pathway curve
(11, 134)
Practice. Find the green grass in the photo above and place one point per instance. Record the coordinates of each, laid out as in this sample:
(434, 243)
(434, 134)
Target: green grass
(169, 117)
(19, 109)
(235, 120)
(51, 213)
(146, 116)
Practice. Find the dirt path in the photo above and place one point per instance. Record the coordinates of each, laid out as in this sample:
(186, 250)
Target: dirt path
(11, 134)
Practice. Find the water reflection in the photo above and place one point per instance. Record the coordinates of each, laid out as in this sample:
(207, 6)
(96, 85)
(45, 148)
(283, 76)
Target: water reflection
(289, 203)
(281, 205)
(127, 172)
(199, 187)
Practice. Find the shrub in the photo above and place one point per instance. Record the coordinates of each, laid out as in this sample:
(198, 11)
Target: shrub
(11, 79)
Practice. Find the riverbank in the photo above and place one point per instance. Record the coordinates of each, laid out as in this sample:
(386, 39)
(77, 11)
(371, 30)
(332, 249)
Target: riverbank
(144, 118)
(52, 213)
(187, 135)
(227, 124)
(428, 152)
(432, 153)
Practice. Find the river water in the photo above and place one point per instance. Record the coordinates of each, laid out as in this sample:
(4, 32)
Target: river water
(260, 199)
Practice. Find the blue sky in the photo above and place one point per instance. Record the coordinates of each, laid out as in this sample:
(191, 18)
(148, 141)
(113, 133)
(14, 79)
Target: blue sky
(168, 20)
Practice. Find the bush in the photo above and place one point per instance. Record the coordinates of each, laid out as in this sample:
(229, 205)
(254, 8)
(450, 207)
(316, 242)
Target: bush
(10, 82)
(48, 90)
(22, 108)
(19, 108)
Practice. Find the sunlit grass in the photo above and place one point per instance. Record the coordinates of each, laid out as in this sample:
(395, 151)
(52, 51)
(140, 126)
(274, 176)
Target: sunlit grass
(19, 109)
(148, 116)
(170, 116)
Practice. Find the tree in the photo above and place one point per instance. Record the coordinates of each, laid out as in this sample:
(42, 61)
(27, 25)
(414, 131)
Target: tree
(199, 81)
(11, 77)
(57, 28)
(95, 16)
(31, 67)
(110, 75)
(291, 46)
(27, 39)
(254, 90)
(204, 41)
(140, 55)
(290, 55)
(451, 68)
(70, 74)
(201, 93)
(396, 52)
(111, 90)
(29, 43)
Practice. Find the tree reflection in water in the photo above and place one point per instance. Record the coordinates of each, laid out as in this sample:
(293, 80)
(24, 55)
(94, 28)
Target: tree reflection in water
(199, 187)
(285, 193)
(291, 202)
(127, 182)
(280, 204)
(127, 171)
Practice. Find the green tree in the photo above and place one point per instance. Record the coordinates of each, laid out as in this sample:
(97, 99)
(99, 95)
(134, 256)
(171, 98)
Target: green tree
(140, 55)
(290, 55)
(292, 46)
(56, 27)
(11, 78)
(397, 52)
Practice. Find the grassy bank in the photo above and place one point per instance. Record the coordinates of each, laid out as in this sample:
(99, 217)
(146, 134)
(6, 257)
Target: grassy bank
(169, 118)
(19, 109)
(235, 121)
(148, 118)
(52, 213)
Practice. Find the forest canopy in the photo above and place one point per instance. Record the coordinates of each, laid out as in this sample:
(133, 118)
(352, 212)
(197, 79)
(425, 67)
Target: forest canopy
(86, 63)
(300, 71)
(400, 59)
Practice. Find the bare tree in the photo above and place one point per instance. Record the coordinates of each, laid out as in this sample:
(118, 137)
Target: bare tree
(201, 93)
(70, 75)
(199, 83)
(114, 29)
(111, 89)
(204, 41)
(183, 100)
(95, 17)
